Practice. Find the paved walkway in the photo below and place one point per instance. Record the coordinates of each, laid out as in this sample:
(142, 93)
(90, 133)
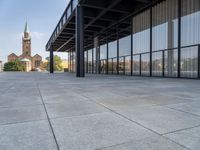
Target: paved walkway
(40, 111)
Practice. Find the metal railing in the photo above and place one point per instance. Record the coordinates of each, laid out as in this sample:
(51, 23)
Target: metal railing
(64, 19)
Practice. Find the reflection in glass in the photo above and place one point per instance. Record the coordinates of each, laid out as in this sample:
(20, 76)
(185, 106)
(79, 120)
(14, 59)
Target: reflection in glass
(141, 32)
(190, 22)
(103, 52)
(90, 61)
(125, 46)
(85, 60)
(121, 65)
(145, 63)
(114, 65)
(110, 66)
(112, 49)
(128, 65)
(171, 63)
(165, 25)
(136, 65)
(157, 63)
(189, 62)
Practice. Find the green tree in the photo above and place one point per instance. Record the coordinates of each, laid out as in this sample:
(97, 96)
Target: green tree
(13, 66)
(57, 63)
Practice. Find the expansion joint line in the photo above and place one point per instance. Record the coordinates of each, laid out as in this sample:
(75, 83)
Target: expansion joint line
(49, 121)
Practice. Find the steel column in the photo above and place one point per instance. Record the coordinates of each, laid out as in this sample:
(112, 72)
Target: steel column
(79, 42)
(198, 61)
(131, 46)
(107, 55)
(151, 44)
(51, 60)
(179, 38)
(163, 62)
(140, 64)
(117, 51)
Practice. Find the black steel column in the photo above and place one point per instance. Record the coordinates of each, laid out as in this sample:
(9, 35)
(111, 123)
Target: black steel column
(87, 63)
(79, 42)
(51, 60)
(107, 55)
(179, 38)
(140, 64)
(131, 47)
(198, 61)
(163, 62)
(117, 50)
(92, 60)
(151, 41)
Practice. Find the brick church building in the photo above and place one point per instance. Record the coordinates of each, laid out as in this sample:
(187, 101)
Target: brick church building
(30, 63)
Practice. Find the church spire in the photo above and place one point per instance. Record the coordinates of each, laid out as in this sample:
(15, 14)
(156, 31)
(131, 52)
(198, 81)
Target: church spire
(26, 30)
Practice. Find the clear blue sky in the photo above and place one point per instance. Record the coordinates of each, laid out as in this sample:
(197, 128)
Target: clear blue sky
(42, 16)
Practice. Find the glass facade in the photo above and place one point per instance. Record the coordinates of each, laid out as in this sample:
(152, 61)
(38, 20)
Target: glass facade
(141, 43)
(103, 59)
(163, 40)
(190, 38)
(124, 55)
(72, 62)
(90, 65)
(112, 57)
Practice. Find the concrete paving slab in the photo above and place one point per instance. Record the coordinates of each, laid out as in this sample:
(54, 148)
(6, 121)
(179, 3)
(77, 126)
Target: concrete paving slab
(190, 138)
(27, 136)
(21, 114)
(193, 108)
(73, 108)
(96, 131)
(150, 143)
(140, 101)
(84, 124)
(161, 119)
(7, 100)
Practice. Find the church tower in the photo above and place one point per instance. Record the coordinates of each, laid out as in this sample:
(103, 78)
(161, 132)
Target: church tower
(26, 41)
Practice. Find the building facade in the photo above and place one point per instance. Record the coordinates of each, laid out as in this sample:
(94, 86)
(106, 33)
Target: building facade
(30, 62)
(158, 38)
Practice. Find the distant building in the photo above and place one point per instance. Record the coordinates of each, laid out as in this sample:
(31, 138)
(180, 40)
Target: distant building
(30, 62)
(1, 66)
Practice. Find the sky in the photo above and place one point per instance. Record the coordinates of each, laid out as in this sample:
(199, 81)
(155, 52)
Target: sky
(42, 17)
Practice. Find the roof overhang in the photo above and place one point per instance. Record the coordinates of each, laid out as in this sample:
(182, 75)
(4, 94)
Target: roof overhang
(100, 18)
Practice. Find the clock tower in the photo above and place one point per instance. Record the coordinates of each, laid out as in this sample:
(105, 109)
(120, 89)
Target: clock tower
(26, 41)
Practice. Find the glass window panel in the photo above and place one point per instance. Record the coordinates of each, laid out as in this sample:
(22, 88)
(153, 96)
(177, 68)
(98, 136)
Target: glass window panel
(110, 66)
(103, 66)
(189, 62)
(141, 32)
(94, 60)
(121, 65)
(171, 63)
(114, 65)
(125, 46)
(136, 65)
(145, 69)
(128, 65)
(190, 22)
(112, 49)
(90, 61)
(103, 51)
(157, 63)
(165, 25)
(85, 60)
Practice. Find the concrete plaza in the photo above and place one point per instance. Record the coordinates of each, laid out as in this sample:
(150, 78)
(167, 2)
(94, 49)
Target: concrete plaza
(39, 111)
